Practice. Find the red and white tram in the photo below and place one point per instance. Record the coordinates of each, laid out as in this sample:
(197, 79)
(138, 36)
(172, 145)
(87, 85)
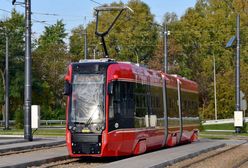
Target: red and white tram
(119, 109)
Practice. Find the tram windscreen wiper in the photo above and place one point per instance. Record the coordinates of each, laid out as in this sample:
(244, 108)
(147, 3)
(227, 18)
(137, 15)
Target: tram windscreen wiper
(91, 117)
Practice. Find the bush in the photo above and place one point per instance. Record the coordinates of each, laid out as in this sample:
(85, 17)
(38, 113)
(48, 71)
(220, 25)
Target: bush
(59, 114)
(244, 128)
(47, 113)
(19, 119)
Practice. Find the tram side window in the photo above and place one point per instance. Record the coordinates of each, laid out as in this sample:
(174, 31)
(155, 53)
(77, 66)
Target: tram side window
(140, 106)
(122, 102)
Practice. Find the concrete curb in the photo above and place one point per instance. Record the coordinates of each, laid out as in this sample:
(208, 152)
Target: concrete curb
(220, 131)
(12, 142)
(12, 136)
(32, 146)
(38, 162)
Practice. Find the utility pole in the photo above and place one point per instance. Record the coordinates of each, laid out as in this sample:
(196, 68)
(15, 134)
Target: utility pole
(28, 75)
(7, 82)
(238, 114)
(165, 49)
(94, 53)
(238, 66)
(237, 76)
(165, 100)
(85, 44)
(215, 97)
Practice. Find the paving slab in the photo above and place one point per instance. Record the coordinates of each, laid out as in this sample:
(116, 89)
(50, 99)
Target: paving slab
(11, 141)
(17, 144)
(166, 157)
(34, 158)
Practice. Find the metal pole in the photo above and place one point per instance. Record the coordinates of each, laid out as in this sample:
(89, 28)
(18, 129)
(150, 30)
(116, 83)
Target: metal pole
(94, 53)
(237, 76)
(165, 49)
(85, 44)
(28, 75)
(165, 105)
(215, 98)
(7, 84)
(238, 67)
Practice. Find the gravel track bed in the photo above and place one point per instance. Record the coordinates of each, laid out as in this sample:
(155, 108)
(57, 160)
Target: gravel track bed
(220, 158)
(69, 163)
(78, 162)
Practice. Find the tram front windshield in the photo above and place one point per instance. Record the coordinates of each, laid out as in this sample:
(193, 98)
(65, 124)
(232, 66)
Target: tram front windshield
(87, 99)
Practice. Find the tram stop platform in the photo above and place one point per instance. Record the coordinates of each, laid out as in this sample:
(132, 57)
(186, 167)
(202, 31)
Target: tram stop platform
(18, 143)
(169, 156)
(15, 151)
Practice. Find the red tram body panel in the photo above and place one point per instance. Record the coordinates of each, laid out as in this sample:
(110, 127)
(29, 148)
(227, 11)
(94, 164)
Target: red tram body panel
(126, 109)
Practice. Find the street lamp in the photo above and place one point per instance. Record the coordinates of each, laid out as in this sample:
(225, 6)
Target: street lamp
(28, 71)
(165, 48)
(238, 114)
(165, 41)
(215, 98)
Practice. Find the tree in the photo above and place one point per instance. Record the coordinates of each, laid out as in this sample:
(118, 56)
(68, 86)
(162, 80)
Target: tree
(50, 59)
(201, 33)
(14, 27)
(157, 62)
(134, 37)
(53, 35)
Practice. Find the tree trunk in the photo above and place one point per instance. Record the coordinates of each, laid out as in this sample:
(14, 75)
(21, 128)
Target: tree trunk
(2, 105)
(2, 75)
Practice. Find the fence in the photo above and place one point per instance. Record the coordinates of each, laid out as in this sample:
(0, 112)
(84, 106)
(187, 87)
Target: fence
(54, 123)
(221, 121)
(45, 123)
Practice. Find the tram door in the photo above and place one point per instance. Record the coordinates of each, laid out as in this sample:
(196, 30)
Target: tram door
(150, 117)
(175, 111)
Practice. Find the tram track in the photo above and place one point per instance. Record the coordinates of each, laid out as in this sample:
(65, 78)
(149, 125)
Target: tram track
(59, 163)
(88, 162)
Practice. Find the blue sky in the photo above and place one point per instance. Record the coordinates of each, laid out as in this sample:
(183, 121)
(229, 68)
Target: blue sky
(73, 12)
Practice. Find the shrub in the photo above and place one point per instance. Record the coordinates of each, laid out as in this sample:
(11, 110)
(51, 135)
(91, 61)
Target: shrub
(19, 119)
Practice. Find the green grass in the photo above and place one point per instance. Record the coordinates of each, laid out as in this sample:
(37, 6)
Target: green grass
(221, 135)
(39, 132)
(229, 126)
